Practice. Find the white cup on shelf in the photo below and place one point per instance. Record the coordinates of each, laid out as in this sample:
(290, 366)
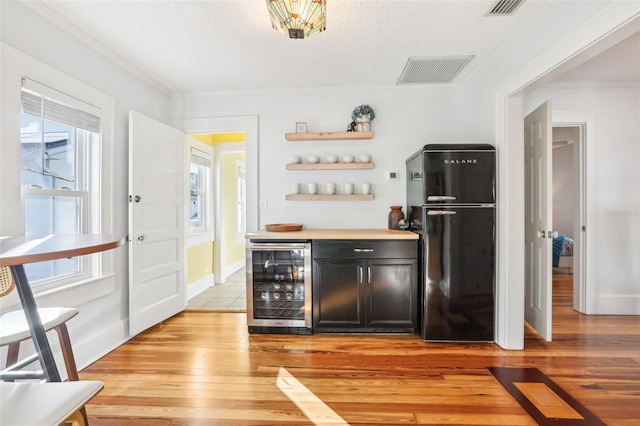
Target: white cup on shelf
(332, 159)
(313, 159)
(366, 188)
(348, 158)
(312, 188)
(348, 188)
(331, 188)
(295, 160)
(365, 158)
(295, 188)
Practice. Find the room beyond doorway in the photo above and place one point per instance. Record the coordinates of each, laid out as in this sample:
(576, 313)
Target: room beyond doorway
(229, 296)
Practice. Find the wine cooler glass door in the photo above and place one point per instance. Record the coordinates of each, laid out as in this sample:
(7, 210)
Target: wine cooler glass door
(279, 284)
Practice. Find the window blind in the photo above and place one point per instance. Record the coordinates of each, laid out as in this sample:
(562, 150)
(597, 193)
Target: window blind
(39, 106)
(196, 159)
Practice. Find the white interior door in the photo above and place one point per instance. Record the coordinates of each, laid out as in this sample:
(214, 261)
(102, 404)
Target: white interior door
(538, 217)
(156, 222)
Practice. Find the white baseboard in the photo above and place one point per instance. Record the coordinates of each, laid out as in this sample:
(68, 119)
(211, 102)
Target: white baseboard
(99, 344)
(199, 286)
(231, 269)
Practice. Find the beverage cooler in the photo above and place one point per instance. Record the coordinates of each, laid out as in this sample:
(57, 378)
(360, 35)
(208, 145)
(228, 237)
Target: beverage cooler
(279, 287)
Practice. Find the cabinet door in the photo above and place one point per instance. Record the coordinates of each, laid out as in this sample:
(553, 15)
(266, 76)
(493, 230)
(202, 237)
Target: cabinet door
(338, 293)
(391, 294)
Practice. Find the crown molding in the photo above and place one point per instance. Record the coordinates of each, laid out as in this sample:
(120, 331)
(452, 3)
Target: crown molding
(93, 43)
(592, 84)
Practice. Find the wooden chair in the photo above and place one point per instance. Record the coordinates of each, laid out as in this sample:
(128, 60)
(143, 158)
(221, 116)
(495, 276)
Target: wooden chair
(14, 329)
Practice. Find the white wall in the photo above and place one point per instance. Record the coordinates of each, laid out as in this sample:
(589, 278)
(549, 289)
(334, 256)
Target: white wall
(103, 322)
(617, 108)
(564, 188)
(406, 119)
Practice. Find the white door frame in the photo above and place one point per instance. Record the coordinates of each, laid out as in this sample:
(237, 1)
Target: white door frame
(580, 46)
(249, 125)
(584, 290)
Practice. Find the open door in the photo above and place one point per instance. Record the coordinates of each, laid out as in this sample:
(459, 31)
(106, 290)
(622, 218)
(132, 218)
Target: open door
(538, 217)
(156, 222)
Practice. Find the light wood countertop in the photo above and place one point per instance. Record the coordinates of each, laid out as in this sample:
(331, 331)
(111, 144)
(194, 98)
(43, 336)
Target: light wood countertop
(333, 234)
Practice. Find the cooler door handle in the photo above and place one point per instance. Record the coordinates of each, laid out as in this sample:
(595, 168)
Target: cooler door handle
(440, 213)
(441, 198)
(363, 250)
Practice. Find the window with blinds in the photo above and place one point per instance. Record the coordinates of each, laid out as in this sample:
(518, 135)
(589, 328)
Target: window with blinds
(59, 146)
(200, 189)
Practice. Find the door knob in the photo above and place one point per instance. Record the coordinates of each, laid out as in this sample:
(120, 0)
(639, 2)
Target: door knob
(553, 234)
(141, 238)
(541, 234)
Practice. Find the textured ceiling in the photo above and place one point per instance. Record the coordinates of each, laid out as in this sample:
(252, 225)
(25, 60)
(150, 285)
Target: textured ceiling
(229, 45)
(214, 45)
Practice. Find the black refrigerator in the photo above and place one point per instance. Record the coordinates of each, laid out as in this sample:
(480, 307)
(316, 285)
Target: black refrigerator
(451, 193)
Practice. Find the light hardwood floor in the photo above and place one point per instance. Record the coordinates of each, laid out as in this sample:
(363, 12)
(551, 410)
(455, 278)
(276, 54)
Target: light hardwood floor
(201, 368)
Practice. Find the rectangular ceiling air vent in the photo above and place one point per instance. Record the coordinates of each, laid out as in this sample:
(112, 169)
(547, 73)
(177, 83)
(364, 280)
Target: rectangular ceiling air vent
(420, 70)
(504, 7)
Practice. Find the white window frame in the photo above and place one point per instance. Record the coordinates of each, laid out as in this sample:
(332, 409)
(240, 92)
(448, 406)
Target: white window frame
(17, 66)
(86, 161)
(241, 202)
(205, 234)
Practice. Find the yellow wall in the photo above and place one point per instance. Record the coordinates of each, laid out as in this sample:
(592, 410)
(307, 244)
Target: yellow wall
(233, 252)
(199, 262)
(214, 138)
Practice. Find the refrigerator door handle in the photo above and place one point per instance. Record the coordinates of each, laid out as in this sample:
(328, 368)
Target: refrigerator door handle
(441, 198)
(440, 213)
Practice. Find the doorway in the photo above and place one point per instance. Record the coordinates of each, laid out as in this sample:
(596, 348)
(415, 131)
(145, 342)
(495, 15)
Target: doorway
(248, 126)
(511, 212)
(568, 197)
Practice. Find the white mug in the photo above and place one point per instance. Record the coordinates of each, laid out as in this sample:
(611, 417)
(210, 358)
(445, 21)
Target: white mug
(331, 188)
(295, 188)
(366, 188)
(312, 188)
(348, 188)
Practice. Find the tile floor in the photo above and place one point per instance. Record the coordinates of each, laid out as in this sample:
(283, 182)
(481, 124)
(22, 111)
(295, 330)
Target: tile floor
(232, 295)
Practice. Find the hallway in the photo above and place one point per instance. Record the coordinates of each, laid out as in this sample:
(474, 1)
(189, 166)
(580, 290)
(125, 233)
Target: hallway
(230, 296)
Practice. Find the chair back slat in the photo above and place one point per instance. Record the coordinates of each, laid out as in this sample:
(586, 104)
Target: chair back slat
(6, 280)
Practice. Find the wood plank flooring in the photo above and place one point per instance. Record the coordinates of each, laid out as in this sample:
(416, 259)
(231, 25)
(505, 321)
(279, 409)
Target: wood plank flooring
(202, 368)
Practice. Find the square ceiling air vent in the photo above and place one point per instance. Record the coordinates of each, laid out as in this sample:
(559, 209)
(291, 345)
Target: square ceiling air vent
(504, 7)
(438, 69)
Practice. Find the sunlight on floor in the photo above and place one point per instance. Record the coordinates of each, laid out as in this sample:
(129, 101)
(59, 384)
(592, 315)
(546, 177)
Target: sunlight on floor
(316, 410)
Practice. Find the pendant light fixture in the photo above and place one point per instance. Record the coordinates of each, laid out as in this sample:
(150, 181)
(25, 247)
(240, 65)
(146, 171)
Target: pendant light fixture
(298, 18)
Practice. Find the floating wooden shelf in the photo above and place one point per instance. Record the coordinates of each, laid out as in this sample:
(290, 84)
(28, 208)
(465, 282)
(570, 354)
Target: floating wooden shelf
(330, 166)
(310, 136)
(321, 197)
